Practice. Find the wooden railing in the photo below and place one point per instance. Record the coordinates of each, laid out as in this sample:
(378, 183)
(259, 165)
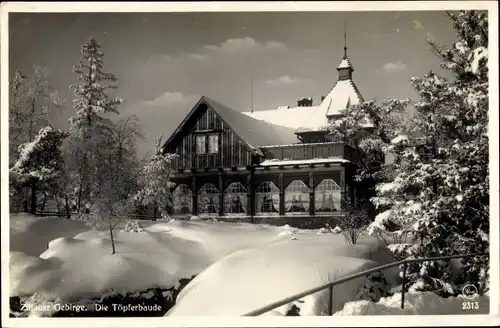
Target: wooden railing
(130, 215)
(309, 151)
(330, 285)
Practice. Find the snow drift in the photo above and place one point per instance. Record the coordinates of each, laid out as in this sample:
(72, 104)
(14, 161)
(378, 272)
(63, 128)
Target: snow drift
(251, 278)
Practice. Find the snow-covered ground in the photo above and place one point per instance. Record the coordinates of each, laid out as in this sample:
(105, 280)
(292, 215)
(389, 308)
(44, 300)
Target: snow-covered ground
(77, 262)
(251, 278)
(247, 265)
(418, 303)
(240, 267)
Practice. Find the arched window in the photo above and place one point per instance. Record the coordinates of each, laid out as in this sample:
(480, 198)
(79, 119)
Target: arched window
(208, 200)
(182, 199)
(327, 196)
(235, 199)
(267, 199)
(297, 197)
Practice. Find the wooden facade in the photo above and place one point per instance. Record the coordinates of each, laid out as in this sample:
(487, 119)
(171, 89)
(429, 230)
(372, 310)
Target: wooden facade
(231, 180)
(205, 122)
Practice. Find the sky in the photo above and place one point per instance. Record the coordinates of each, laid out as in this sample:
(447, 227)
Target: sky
(165, 62)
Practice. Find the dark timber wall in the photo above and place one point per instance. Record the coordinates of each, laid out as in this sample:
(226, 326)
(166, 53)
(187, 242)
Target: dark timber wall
(232, 151)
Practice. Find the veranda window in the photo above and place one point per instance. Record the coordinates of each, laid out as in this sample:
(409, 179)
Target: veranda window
(297, 197)
(267, 199)
(182, 199)
(208, 200)
(327, 196)
(235, 199)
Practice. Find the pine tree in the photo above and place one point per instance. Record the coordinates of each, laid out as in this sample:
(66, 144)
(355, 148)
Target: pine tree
(90, 129)
(91, 95)
(439, 183)
(40, 163)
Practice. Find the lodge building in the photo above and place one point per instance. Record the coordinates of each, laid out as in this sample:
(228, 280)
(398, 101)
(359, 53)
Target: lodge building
(271, 166)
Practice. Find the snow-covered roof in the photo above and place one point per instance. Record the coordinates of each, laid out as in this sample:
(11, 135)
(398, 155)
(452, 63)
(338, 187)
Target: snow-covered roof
(345, 63)
(275, 162)
(290, 117)
(315, 118)
(253, 132)
(343, 94)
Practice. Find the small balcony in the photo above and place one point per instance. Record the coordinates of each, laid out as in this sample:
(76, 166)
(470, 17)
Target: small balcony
(310, 151)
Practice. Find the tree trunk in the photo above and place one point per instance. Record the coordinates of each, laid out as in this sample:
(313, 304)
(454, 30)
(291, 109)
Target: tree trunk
(112, 239)
(67, 207)
(25, 205)
(79, 201)
(44, 202)
(154, 212)
(58, 204)
(33, 199)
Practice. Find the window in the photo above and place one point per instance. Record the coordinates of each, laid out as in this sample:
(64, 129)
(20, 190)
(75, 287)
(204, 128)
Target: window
(267, 199)
(208, 200)
(207, 144)
(297, 197)
(235, 199)
(213, 143)
(327, 196)
(201, 144)
(183, 199)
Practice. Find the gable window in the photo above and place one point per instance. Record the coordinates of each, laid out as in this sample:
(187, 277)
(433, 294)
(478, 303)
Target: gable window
(213, 143)
(201, 144)
(207, 143)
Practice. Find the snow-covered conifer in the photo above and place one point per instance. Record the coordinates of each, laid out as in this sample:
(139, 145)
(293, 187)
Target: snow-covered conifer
(40, 163)
(439, 181)
(91, 92)
(89, 144)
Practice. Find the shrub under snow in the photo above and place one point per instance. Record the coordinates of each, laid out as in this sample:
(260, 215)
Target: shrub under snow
(132, 226)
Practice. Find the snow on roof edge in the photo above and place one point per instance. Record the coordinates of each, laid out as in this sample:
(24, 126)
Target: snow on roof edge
(273, 162)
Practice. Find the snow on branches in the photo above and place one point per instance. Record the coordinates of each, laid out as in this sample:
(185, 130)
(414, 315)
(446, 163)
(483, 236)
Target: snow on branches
(438, 184)
(157, 186)
(40, 159)
(91, 98)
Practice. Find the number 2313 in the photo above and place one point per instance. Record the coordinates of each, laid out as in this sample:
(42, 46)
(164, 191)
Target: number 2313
(470, 305)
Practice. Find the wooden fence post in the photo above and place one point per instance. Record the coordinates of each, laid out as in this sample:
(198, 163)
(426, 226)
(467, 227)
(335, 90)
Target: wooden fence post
(330, 300)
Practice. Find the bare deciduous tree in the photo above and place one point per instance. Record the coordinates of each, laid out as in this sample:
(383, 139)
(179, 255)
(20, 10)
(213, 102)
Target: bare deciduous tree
(354, 220)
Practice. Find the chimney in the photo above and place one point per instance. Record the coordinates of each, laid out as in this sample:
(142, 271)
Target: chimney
(305, 102)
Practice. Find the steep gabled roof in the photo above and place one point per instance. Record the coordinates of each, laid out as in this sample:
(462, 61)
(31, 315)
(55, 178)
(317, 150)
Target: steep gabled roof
(252, 132)
(255, 132)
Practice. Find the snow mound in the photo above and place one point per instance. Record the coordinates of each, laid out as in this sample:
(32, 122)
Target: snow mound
(417, 303)
(337, 229)
(30, 234)
(77, 263)
(251, 278)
